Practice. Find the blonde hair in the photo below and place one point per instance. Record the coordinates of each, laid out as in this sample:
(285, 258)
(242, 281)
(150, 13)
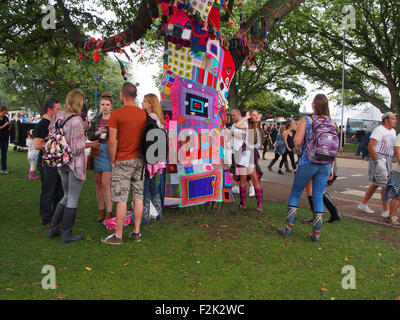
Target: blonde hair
(74, 102)
(106, 96)
(155, 103)
(282, 129)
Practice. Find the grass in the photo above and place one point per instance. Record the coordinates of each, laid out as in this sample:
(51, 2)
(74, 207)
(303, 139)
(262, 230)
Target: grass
(190, 254)
(350, 147)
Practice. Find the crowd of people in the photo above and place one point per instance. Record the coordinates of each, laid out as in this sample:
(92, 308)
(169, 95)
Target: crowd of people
(115, 137)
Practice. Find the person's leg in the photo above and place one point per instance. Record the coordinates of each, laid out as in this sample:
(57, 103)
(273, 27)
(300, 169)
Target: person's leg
(358, 149)
(99, 195)
(320, 180)
(106, 187)
(51, 183)
(68, 220)
(277, 155)
(146, 200)
(252, 191)
(291, 155)
(302, 177)
(120, 212)
(120, 187)
(369, 193)
(385, 204)
(242, 188)
(258, 190)
(161, 187)
(59, 211)
(394, 205)
(3, 150)
(32, 167)
(155, 195)
(137, 187)
(310, 201)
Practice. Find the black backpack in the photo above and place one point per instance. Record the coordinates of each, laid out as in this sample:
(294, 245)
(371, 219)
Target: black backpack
(151, 124)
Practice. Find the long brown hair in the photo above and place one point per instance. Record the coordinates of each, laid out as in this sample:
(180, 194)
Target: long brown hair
(155, 103)
(256, 126)
(321, 105)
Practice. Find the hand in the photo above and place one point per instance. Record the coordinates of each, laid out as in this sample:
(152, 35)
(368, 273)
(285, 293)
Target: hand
(100, 131)
(112, 164)
(248, 114)
(95, 144)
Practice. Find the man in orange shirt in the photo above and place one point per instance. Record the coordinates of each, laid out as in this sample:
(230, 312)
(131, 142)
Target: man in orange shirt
(126, 126)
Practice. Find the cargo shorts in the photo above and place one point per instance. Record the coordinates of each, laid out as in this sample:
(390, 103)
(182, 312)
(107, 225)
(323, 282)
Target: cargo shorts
(127, 176)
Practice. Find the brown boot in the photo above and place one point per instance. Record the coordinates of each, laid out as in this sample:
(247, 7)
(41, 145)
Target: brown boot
(109, 215)
(101, 216)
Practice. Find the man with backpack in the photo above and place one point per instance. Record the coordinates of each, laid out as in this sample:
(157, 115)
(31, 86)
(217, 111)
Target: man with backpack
(126, 127)
(52, 191)
(381, 150)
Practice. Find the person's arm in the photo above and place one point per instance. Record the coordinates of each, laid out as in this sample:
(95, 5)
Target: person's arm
(112, 144)
(371, 149)
(285, 134)
(241, 123)
(300, 133)
(38, 143)
(397, 154)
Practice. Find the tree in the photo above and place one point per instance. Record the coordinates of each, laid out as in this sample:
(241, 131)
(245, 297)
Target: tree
(28, 86)
(311, 39)
(272, 104)
(265, 75)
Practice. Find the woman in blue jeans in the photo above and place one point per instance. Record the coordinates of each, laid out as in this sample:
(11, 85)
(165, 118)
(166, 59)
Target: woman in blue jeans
(154, 181)
(307, 170)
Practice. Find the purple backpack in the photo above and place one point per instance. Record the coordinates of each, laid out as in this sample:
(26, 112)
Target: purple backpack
(323, 141)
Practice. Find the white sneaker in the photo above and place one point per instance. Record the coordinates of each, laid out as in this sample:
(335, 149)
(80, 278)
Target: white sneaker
(235, 189)
(365, 208)
(252, 192)
(385, 214)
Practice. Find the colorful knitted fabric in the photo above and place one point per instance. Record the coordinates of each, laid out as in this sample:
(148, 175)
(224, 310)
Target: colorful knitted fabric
(242, 196)
(317, 224)
(290, 219)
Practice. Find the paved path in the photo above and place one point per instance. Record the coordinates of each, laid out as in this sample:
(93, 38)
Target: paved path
(347, 191)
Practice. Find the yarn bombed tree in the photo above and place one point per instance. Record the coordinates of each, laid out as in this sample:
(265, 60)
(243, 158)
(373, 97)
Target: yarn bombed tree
(198, 70)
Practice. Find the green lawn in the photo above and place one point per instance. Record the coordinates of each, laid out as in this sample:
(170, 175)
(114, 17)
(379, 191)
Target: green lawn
(350, 147)
(190, 254)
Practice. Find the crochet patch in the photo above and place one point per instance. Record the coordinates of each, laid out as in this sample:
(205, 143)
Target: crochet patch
(179, 61)
(193, 104)
(201, 187)
(203, 7)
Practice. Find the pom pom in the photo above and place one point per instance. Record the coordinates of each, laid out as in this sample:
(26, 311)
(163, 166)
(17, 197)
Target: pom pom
(52, 83)
(165, 66)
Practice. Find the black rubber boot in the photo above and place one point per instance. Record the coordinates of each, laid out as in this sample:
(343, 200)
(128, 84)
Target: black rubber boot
(56, 221)
(309, 221)
(67, 224)
(335, 214)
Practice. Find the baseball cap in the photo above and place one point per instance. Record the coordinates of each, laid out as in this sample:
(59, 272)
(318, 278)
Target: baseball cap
(388, 115)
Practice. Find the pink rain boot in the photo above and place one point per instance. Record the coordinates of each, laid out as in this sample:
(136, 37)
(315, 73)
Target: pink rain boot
(32, 175)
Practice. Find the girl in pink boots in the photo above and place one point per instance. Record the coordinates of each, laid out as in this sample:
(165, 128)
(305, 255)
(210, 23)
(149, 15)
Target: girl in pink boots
(32, 156)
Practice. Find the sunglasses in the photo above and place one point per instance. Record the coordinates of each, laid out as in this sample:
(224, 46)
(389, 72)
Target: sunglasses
(106, 96)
